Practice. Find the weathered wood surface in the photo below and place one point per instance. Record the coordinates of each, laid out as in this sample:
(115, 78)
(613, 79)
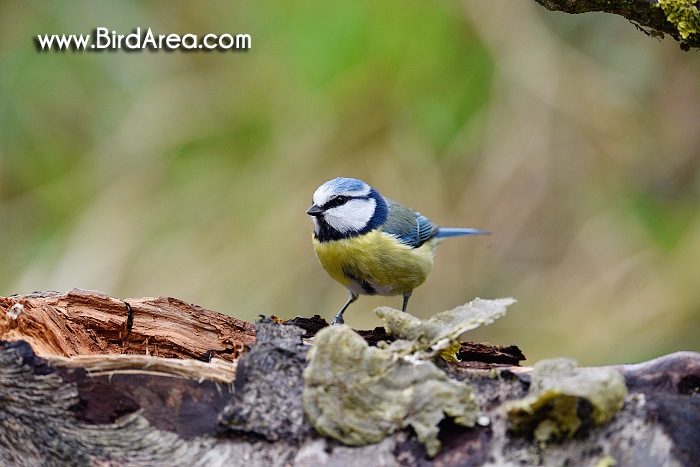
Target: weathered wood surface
(146, 410)
(83, 322)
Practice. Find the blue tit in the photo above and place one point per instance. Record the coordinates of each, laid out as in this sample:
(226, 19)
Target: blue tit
(371, 244)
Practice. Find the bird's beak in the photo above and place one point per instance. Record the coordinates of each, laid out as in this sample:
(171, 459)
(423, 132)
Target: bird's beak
(314, 211)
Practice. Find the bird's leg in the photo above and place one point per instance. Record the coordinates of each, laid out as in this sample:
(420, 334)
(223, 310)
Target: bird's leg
(339, 317)
(406, 296)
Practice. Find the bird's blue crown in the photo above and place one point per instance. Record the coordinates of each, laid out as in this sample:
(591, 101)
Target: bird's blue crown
(341, 185)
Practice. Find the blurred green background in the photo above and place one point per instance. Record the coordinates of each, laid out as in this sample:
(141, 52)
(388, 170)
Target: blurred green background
(575, 139)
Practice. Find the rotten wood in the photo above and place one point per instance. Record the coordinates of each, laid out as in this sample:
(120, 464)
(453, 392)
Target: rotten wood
(60, 407)
(84, 322)
(471, 355)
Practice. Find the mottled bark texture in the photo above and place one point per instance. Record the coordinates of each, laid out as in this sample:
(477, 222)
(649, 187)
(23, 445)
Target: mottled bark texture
(647, 15)
(61, 408)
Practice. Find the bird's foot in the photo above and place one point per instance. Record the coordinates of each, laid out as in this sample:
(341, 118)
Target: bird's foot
(338, 320)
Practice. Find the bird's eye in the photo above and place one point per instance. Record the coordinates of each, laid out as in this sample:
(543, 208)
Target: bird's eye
(336, 201)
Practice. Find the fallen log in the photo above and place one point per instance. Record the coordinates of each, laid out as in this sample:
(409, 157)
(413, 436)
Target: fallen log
(87, 379)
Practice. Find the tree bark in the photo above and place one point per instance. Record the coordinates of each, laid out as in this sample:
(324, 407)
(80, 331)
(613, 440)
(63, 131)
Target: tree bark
(647, 15)
(87, 379)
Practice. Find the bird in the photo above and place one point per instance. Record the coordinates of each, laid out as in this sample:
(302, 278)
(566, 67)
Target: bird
(373, 245)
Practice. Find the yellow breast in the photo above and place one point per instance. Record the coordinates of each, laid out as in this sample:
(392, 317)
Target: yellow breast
(376, 263)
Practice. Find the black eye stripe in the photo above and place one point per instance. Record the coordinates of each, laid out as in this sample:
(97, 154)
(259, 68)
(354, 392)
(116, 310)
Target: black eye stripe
(335, 202)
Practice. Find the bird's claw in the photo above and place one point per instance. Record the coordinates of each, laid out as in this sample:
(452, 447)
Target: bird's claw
(337, 320)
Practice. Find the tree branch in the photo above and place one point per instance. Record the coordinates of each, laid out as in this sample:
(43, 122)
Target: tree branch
(677, 18)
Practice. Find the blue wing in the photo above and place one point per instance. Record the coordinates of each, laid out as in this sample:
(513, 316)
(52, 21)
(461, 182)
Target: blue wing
(414, 229)
(407, 225)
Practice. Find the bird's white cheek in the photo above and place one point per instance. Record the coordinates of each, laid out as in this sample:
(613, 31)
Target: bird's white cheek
(351, 216)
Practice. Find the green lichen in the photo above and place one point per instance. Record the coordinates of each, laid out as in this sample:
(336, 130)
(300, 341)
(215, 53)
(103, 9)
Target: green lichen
(683, 14)
(359, 394)
(560, 396)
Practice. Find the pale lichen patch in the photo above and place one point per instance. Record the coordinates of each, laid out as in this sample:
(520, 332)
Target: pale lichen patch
(440, 333)
(560, 396)
(360, 394)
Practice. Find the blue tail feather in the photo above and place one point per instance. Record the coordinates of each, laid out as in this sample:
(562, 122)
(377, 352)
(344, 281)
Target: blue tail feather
(444, 232)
